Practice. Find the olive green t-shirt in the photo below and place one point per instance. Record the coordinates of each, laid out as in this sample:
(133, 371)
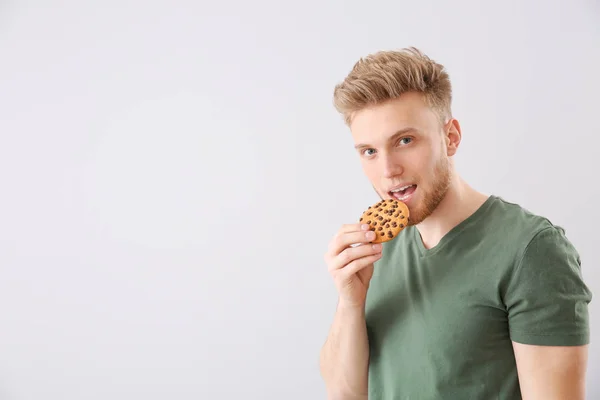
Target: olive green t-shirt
(440, 321)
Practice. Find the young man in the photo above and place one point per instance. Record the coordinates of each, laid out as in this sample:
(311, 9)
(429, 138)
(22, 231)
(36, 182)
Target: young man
(477, 298)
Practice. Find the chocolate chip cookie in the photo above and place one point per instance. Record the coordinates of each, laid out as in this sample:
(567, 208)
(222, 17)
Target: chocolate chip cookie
(386, 218)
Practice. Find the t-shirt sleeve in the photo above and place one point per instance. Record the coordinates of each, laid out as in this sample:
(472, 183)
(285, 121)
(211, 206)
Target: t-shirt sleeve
(547, 298)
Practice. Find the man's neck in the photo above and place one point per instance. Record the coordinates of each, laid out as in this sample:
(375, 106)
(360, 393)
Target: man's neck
(460, 202)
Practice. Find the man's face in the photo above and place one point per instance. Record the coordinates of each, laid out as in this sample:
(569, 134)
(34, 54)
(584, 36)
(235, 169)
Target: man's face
(403, 143)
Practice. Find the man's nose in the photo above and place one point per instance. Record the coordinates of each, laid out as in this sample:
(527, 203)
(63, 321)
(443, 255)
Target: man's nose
(391, 167)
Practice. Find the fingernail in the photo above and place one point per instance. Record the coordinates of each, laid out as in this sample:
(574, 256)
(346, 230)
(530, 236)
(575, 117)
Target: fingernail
(377, 246)
(370, 235)
(364, 227)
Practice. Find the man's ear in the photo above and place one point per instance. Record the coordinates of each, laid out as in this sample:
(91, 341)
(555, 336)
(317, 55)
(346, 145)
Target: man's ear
(452, 137)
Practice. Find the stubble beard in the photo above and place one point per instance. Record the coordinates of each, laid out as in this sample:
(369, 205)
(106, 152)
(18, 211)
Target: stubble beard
(431, 198)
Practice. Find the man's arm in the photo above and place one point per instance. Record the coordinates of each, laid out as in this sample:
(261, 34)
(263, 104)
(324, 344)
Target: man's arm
(547, 304)
(551, 372)
(344, 357)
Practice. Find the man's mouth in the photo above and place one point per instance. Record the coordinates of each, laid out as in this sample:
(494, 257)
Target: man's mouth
(403, 193)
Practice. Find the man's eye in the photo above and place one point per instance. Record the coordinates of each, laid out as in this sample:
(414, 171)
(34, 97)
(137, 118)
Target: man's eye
(366, 152)
(405, 140)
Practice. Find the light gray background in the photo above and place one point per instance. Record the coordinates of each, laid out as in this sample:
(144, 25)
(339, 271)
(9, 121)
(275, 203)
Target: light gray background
(172, 172)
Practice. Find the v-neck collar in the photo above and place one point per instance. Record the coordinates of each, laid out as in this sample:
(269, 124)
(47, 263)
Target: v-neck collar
(454, 232)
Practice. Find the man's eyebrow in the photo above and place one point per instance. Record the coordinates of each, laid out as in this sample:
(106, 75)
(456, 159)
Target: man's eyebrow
(391, 138)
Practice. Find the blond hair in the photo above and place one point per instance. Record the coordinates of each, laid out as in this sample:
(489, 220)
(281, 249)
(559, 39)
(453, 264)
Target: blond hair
(385, 75)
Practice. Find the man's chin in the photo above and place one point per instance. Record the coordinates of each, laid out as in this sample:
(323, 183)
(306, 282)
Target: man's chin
(417, 213)
(414, 218)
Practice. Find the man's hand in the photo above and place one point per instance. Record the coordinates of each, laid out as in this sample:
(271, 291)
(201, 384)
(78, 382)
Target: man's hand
(352, 267)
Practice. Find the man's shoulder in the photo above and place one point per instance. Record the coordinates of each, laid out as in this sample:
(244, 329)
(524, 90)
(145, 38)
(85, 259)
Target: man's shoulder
(529, 240)
(519, 224)
(543, 286)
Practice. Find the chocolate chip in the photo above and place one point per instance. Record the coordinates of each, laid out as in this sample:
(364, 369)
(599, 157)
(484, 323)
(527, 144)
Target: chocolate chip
(401, 225)
(380, 228)
(390, 235)
(402, 217)
(396, 215)
(372, 229)
(394, 224)
(375, 223)
(360, 220)
(368, 222)
(380, 218)
(369, 213)
(387, 225)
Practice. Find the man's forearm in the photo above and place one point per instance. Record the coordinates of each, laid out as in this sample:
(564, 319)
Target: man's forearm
(344, 360)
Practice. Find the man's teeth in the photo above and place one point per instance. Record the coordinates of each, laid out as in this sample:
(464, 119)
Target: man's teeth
(402, 188)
